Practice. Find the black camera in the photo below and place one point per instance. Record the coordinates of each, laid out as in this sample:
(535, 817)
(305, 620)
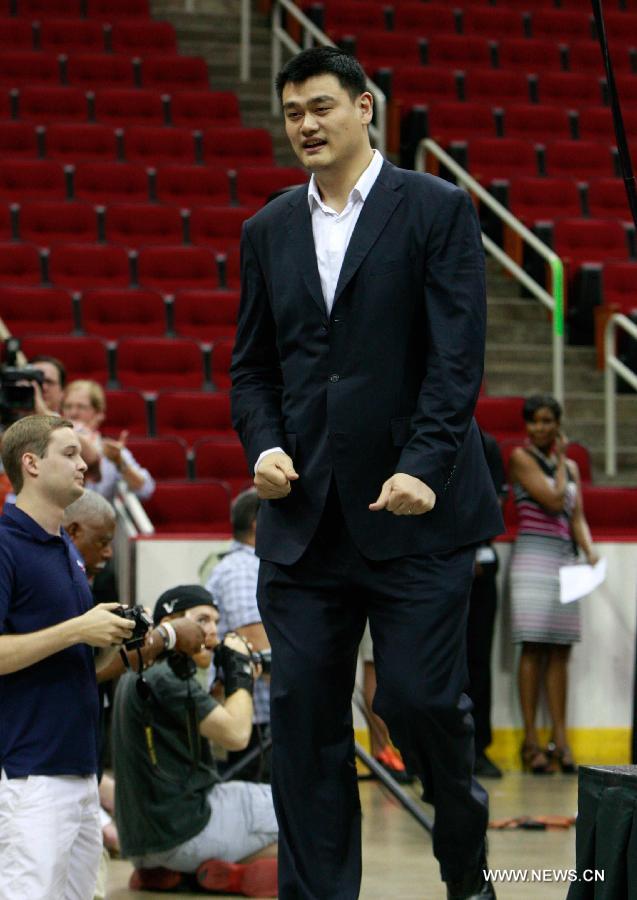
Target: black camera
(17, 395)
(263, 658)
(142, 620)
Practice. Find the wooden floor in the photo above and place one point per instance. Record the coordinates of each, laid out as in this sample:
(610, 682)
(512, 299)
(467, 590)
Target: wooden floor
(397, 859)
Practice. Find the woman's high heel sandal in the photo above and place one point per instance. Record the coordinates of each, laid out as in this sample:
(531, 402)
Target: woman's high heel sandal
(563, 757)
(535, 760)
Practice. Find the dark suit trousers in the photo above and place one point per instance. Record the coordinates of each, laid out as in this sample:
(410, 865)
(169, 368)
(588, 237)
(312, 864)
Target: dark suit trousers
(483, 604)
(314, 612)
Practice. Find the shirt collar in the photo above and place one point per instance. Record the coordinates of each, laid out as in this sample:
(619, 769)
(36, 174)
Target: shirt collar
(239, 545)
(26, 523)
(360, 190)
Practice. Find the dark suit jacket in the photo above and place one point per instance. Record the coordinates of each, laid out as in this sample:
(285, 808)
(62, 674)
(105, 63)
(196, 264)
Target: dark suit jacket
(387, 383)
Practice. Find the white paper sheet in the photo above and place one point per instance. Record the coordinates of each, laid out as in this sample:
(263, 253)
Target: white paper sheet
(581, 579)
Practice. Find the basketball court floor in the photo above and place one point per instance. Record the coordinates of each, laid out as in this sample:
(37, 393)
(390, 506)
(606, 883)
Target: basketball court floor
(397, 859)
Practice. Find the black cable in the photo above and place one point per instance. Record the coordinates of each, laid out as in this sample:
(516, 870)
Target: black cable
(625, 163)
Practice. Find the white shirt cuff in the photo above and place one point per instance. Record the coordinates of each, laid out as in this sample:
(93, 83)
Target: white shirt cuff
(265, 453)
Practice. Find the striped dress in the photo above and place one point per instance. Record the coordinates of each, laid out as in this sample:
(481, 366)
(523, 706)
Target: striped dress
(544, 543)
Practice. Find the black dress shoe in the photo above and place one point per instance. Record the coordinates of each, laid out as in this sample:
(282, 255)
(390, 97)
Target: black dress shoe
(472, 886)
(485, 767)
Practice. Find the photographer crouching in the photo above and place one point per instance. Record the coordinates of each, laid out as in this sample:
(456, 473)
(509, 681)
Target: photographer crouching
(177, 822)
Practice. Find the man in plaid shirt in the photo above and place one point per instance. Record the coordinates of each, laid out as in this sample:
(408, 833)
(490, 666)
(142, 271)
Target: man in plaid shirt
(233, 585)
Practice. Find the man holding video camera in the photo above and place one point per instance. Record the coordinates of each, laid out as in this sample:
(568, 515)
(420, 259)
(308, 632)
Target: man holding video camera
(177, 822)
(50, 833)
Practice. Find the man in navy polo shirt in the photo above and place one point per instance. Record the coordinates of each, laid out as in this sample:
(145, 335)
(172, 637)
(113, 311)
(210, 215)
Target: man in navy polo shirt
(50, 836)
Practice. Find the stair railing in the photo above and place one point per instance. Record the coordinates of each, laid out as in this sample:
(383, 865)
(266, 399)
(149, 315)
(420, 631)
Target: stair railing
(281, 39)
(553, 301)
(614, 367)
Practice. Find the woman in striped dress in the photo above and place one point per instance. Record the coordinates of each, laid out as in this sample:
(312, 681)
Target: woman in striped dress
(551, 526)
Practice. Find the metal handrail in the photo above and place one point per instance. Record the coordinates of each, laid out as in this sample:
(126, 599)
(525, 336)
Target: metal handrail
(614, 367)
(280, 38)
(553, 301)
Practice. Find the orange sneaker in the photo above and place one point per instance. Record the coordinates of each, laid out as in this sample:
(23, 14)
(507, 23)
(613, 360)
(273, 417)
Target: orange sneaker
(391, 761)
(255, 879)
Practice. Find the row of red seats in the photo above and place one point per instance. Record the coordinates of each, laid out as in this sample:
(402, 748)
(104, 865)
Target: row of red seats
(92, 9)
(108, 182)
(114, 313)
(135, 37)
(82, 266)
(533, 199)
(209, 457)
(19, 68)
(426, 19)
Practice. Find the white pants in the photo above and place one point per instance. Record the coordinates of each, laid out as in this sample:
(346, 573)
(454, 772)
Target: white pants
(50, 837)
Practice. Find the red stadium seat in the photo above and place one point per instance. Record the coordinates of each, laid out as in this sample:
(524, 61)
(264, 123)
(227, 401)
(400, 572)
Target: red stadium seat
(496, 86)
(16, 34)
(611, 512)
(6, 223)
(619, 24)
(102, 182)
(459, 50)
(223, 458)
(46, 222)
(183, 72)
(198, 109)
(31, 310)
(531, 55)
(189, 186)
(501, 416)
(534, 121)
(218, 227)
(139, 38)
(420, 85)
(153, 144)
(168, 269)
(569, 89)
(152, 363)
(619, 280)
(19, 264)
(136, 225)
(113, 313)
(607, 199)
(82, 266)
(627, 89)
(376, 50)
(21, 179)
(579, 454)
(63, 35)
(41, 9)
(333, 15)
(93, 70)
(72, 143)
(178, 507)
(596, 124)
(113, 10)
(456, 121)
(540, 199)
(232, 269)
(584, 56)
(256, 183)
(125, 411)
(129, 106)
(193, 415)
(83, 357)
(21, 67)
(206, 315)
(165, 458)
(580, 241)
(500, 158)
(423, 19)
(18, 139)
(46, 103)
(568, 24)
(579, 159)
(221, 356)
(493, 22)
(234, 147)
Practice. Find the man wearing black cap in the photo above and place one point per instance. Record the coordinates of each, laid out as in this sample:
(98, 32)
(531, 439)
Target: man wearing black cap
(177, 822)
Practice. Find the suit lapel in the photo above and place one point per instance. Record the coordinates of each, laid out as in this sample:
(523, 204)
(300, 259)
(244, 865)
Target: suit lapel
(302, 246)
(380, 204)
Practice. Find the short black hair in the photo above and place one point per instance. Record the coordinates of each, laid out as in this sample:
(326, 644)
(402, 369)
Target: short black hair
(243, 511)
(323, 61)
(541, 401)
(59, 365)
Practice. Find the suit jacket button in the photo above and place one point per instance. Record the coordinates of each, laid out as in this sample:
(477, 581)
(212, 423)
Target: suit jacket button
(334, 378)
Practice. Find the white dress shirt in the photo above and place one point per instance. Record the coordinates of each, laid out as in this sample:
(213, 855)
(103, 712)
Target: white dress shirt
(332, 232)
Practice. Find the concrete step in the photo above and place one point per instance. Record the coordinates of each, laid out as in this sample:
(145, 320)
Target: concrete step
(591, 432)
(507, 309)
(539, 354)
(591, 405)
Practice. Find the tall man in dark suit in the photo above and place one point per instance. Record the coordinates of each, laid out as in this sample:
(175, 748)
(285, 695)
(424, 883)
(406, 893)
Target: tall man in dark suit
(356, 369)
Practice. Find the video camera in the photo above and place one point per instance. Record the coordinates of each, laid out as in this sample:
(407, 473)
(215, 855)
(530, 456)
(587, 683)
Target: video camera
(17, 399)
